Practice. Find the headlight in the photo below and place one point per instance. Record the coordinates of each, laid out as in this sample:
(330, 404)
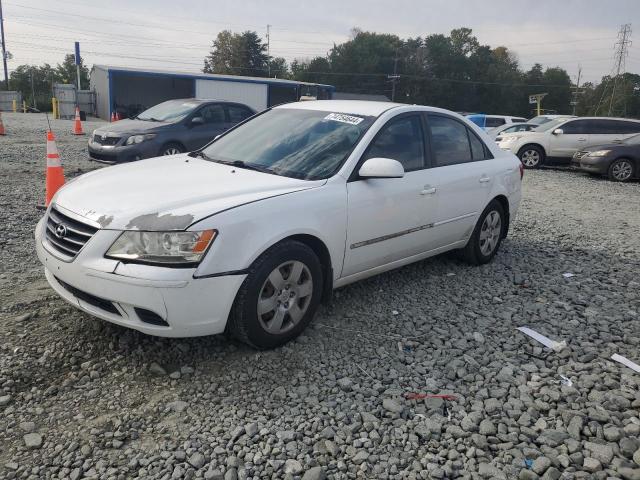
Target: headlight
(170, 248)
(509, 139)
(599, 153)
(140, 138)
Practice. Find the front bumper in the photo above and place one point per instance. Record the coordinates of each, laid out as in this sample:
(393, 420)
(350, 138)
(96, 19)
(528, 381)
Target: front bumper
(122, 153)
(124, 293)
(591, 164)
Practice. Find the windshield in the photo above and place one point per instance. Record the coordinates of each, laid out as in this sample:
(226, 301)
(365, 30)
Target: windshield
(306, 144)
(169, 111)
(539, 120)
(635, 140)
(549, 124)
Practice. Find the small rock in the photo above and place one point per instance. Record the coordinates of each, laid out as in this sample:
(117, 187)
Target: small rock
(27, 427)
(360, 457)
(314, 473)
(177, 406)
(4, 400)
(294, 467)
(591, 464)
(540, 465)
(392, 405)
(33, 440)
(345, 384)
(197, 460)
(157, 369)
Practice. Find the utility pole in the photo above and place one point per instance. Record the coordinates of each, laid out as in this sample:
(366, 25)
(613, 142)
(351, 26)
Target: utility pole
(577, 91)
(622, 45)
(394, 78)
(268, 50)
(33, 92)
(4, 49)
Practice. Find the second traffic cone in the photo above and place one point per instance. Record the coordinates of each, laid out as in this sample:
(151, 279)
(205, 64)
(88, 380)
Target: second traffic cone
(77, 126)
(113, 117)
(55, 175)
(2, 131)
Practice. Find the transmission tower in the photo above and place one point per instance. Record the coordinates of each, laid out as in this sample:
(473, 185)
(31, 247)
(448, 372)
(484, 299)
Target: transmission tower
(622, 50)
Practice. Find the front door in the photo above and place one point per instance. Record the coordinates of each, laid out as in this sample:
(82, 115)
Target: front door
(574, 137)
(214, 123)
(389, 218)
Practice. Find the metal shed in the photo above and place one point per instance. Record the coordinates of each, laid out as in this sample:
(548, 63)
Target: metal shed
(128, 91)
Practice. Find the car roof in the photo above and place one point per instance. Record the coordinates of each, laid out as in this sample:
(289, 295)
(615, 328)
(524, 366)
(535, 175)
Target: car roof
(606, 118)
(357, 107)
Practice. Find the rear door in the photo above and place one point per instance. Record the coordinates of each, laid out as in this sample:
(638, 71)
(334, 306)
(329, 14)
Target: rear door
(388, 218)
(574, 137)
(463, 173)
(236, 114)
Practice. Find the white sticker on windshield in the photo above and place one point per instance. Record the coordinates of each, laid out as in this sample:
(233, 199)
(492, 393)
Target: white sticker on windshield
(341, 117)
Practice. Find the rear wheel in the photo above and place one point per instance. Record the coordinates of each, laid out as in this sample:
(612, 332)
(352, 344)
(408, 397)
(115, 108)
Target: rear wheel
(487, 235)
(620, 170)
(531, 156)
(171, 149)
(279, 297)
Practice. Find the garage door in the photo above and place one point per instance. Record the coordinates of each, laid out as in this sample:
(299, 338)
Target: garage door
(251, 94)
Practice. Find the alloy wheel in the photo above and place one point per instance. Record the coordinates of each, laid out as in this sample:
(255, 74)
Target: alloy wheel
(490, 232)
(171, 151)
(530, 158)
(285, 297)
(622, 170)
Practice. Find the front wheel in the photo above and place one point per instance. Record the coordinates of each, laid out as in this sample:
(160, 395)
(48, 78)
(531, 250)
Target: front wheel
(279, 297)
(620, 170)
(171, 149)
(487, 235)
(531, 156)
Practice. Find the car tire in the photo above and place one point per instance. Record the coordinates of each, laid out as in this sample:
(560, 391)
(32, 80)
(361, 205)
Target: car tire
(261, 316)
(531, 156)
(620, 170)
(487, 235)
(171, 148)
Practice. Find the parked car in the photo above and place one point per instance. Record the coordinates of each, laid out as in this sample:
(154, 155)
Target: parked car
(618, 161)
(556, 142)
(494, 133)
(169, 128)
(487, 122)
(540, 119)
(250, 233)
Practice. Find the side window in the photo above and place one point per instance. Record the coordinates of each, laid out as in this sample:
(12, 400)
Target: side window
(402, 140)
(627, 127)
(212, 114)
(494, 122)
(510, 130)
(518, 120)
(478, 149)
(237, 113)
(449, 141)
(575, 127)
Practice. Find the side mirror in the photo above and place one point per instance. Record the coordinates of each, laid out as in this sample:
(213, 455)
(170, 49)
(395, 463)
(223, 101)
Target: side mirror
(558, 131)
(197, 121)
(381, 168)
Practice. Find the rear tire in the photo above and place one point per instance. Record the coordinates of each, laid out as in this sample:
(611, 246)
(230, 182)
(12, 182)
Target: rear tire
(620, 170)
(172, 148)
(531, 156)
(279, 297)
(487, 235)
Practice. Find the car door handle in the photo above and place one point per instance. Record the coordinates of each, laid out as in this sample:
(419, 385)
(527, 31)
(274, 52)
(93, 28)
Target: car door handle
(484, 179)
(428, 190)
(582, 139)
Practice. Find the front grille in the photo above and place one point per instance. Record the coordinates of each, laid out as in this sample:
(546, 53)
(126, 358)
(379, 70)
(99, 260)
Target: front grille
(579, 155)
(110, 141)
(67, 235)
(97, 302)
(103, 157)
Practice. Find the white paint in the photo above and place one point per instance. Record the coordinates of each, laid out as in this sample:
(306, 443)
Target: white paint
(252, 211)
(626, 362)
(547, 342)
(254, 95)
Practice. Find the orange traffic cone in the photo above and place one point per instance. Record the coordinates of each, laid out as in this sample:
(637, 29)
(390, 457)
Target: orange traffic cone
(113, 116)
(55, 175)
(118, 117)
(77, 126)
(2, 131)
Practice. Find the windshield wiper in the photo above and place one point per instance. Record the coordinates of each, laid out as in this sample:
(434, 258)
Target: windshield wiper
(250, 166)
(201, 154)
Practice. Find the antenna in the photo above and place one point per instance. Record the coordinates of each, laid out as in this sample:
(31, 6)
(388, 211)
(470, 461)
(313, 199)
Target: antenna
(268, 50)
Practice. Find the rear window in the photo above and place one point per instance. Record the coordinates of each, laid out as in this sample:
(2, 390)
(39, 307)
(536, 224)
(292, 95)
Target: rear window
(494, 122)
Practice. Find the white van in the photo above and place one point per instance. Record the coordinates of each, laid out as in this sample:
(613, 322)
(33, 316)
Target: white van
(487, 122)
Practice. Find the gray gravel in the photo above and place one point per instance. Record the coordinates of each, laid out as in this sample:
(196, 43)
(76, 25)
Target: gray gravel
(80, 398)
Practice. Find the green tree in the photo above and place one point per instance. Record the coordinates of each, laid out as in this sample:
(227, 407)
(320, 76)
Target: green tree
(237, 54)
(41, 78)
(278, 68)
(67, 72)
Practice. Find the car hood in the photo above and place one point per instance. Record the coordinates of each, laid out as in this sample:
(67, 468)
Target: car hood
(168, 193)
(131, 126)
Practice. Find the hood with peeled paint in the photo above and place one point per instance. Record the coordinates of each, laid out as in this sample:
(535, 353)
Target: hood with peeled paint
(168, 193)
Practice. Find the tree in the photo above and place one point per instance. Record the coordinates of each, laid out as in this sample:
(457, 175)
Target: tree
(278, 67)
(67, 72)
(41, 77)
(237, 54)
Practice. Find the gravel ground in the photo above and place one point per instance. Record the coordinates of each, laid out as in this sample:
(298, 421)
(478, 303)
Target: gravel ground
(84, 399)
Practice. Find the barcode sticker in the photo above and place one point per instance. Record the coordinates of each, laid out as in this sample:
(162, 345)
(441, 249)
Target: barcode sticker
(341, 117)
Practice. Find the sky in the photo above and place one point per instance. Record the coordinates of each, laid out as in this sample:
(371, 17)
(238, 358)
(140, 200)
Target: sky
(176, 35)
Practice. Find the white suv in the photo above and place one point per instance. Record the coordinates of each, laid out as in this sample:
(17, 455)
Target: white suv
(249, 233)
(558, 140)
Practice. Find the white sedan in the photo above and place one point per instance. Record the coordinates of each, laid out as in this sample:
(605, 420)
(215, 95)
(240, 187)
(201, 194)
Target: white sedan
(252, 232)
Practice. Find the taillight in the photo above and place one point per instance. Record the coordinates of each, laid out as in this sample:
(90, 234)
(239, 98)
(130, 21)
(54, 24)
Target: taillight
(521, 171)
